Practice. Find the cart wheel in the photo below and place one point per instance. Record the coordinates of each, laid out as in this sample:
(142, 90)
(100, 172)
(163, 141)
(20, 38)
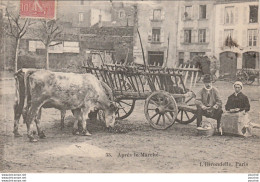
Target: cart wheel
(185, 116)
(160, 110)
(242, 76)
(250, 80)
(126, 107)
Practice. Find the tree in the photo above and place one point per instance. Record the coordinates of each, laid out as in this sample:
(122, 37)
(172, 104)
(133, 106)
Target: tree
(47, 33)
(16, 28)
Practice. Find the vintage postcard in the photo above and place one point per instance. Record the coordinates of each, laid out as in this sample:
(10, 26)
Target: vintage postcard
(129, 86)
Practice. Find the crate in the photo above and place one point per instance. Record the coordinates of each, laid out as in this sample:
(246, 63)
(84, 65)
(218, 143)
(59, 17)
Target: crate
(236, 124)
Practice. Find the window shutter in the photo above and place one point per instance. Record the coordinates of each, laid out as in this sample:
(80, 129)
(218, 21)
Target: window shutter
(246, 15)
(163, 14)
(151, 14)
(182, 13)
(244, 42)
(193, 36)
(162, 35)
(220, 39)
(195, 12)
(150, 35)
(182, 36)
(207, 35)
(208, 11)
(236, 15)
(222, 17)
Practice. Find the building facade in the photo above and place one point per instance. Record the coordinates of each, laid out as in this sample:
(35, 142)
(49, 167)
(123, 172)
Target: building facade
(195, 29)
(156, 22)
(237, 35)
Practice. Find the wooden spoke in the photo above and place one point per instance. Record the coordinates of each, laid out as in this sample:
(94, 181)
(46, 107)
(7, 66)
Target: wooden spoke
(181, 114)
(163, 120)
(187, 114)
(126, 103)
(168, 116)
(151, 109)
(154, 115)
(154, 103)
(157, 122)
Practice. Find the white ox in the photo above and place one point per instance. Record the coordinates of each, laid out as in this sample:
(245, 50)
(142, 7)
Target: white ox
(80, 93)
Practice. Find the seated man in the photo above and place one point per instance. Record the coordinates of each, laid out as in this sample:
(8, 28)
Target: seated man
(237, 101)
(208, 103)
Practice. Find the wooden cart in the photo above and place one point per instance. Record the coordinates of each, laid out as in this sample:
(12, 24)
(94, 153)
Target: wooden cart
(166, 98)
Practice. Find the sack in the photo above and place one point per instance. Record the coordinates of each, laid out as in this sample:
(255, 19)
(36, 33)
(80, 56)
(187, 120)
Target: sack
(236, 123)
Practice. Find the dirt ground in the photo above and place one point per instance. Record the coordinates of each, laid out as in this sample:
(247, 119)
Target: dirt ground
(176, 150)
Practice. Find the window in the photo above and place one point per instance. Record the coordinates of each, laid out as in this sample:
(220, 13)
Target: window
(81, 17)
(203, 11)
(181, 58)
(121, 14)
(253, 15)
(187, 13)
(202, 35)
(157, 14)
(228, 33)
(156, 33)
(193, 54)
(187, 36)
(229, 15)
(155, 58)
(228, 37)
(252, 37)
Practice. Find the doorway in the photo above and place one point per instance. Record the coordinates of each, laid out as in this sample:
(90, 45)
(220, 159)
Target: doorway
(228, 63)
(155, 58)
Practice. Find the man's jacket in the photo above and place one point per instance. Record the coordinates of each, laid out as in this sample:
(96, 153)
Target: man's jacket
(208, 98)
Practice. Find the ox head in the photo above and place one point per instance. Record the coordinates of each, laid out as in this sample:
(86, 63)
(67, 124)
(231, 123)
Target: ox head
(108, 115)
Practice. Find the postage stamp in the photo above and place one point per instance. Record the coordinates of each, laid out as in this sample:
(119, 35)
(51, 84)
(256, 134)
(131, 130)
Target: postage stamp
(38, 9)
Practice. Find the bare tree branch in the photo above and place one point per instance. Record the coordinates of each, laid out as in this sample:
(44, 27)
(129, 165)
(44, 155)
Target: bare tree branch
(25, 23)
(55, 44)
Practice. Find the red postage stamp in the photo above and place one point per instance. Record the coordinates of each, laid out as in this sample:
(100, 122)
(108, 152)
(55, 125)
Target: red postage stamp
(45, 9)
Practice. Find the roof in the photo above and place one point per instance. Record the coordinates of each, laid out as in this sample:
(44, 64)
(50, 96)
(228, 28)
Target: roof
(97, 45)
(112, 31)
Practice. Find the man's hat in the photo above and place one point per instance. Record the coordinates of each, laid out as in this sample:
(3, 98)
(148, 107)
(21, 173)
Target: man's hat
(207, 79)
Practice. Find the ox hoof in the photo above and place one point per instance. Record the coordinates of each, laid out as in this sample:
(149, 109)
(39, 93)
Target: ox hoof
(33, 140)
(75, 132)
(17, 134)
(42, 135)
(86, 133)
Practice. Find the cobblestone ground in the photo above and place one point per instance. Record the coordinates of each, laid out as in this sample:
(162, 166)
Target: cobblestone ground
(177, 149)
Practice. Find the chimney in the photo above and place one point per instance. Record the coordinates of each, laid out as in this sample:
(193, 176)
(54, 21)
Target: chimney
(100, 20)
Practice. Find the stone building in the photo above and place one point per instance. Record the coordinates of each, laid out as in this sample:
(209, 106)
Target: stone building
(195, 29)
(237, 35)
(157, 24)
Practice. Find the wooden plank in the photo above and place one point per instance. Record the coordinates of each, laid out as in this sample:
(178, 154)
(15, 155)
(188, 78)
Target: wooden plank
(191, 80)
(196, 77)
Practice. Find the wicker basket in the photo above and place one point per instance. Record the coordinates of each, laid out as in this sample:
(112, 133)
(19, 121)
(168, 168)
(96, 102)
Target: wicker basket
(206, 129)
